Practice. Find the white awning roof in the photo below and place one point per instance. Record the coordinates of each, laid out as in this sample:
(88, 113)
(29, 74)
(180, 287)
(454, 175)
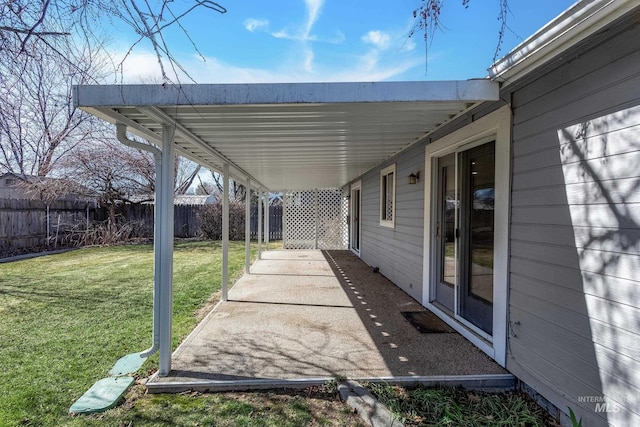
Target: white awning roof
(288, 136)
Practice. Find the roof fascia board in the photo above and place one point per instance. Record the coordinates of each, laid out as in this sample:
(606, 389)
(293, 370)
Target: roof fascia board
(578, 22)
(283, 93)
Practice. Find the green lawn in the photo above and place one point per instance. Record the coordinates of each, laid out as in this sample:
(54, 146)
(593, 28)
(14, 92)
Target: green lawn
(65, 319)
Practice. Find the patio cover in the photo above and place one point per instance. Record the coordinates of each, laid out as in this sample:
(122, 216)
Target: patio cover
(274, 137)
(283, 136)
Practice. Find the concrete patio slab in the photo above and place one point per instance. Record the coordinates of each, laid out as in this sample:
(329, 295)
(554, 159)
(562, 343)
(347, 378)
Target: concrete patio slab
(303, 315)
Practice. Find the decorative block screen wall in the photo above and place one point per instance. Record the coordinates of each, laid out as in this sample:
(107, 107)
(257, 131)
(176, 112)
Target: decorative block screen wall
(316, 219)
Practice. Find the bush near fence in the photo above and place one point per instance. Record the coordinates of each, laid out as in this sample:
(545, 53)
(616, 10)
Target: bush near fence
(210, 218)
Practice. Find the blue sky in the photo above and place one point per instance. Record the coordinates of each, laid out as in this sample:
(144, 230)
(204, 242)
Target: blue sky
(328, 40)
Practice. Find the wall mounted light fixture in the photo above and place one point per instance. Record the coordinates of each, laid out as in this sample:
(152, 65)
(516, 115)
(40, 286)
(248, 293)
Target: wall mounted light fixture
(414, 178)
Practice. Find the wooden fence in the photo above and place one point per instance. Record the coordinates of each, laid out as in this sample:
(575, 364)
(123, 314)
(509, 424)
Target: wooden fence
(30, 225)
(185, 217)
(275, 222)
(186, 221)
(34, 225)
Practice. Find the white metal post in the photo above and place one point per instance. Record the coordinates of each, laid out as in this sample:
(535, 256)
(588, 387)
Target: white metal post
(259, 224)
(267, 220)
(225, 231)
(165, 211)
(247, 227)
(316, 219)
(285, 201)
(157, 253)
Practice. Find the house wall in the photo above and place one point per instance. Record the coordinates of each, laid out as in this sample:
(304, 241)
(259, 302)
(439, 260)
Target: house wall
(575, 231)
(397, 252)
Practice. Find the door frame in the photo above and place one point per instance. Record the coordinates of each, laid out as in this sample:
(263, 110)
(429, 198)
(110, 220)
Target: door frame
(494, 126)
(355, 186)
(443, 293)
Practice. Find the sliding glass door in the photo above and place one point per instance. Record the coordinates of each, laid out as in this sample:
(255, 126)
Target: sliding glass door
(464, 233)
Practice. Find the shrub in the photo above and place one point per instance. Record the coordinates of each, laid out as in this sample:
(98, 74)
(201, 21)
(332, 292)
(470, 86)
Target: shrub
(210, 217)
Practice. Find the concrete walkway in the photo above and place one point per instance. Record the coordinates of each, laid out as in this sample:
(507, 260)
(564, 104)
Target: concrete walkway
(311, 314)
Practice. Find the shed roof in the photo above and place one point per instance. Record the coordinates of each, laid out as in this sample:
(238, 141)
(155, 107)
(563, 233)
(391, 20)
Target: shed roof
(288, 136)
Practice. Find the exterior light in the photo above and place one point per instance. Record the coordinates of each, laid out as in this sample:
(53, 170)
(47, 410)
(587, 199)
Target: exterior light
(414, 178)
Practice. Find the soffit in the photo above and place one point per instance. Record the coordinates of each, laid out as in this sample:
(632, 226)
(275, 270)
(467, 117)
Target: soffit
(288, 136)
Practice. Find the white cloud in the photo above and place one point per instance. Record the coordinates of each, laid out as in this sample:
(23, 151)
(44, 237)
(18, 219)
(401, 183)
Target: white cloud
(379, 39)
(301, 65)
(386, 55)
(408, 45)
(287, 34)
(254, 25)
(308, 60)
(303, 32)
(313, 13)
(138, 66)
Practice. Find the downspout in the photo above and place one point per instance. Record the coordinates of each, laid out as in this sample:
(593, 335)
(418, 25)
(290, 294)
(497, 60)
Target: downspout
(121, 134)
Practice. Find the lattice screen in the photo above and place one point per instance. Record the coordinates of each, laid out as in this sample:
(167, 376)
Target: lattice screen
(315, 219)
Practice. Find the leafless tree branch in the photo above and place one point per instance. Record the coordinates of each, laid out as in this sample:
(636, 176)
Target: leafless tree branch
(25, 25)
(428, 20)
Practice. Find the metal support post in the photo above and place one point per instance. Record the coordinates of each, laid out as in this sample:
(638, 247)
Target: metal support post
(267, 220)
(165, 211)
(316, 218)
(247, 227)
(259, 224)
(225, 232)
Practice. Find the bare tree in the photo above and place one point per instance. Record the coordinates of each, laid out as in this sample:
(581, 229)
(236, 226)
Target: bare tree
(114, 171)
(185, 175)
(206, 188)
(28, 26)
(117, 173)
(38, 122)
(237, 191)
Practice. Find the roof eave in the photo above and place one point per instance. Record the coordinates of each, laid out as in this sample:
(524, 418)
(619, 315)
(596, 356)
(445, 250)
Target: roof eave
(581, 20)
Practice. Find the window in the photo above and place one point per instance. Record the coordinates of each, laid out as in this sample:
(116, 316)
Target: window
(388, 196)
(10, 181)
